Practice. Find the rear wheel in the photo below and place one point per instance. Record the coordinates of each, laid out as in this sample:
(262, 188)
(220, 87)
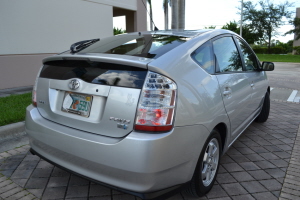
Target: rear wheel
(264, 113)
(207, 166)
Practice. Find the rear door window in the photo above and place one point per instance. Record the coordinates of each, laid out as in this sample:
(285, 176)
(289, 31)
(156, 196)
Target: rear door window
(227, 55)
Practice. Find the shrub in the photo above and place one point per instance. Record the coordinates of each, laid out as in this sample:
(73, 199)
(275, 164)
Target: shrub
(273, 50)
(297, 50)
(118, 31)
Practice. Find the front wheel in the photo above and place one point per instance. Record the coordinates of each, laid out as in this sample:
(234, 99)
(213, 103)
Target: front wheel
(207, 166)
(264, 113)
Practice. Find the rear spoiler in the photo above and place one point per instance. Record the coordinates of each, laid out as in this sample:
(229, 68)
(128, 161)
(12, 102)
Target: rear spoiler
(101, 57)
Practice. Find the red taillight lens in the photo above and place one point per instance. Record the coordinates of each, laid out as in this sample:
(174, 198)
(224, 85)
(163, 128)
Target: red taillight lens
(157, 103)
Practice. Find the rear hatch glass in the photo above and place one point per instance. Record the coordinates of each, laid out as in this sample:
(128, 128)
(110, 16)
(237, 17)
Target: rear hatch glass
(95, 72)
(142, 45)
(103, 102)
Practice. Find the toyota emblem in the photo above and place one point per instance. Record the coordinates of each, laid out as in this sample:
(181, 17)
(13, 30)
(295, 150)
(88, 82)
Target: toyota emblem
(74, 84)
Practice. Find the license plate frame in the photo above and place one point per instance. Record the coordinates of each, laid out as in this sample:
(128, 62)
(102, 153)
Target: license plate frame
(77, 104)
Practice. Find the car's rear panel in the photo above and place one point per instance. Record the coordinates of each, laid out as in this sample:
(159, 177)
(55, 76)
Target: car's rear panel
(138, 162)
(104, 103)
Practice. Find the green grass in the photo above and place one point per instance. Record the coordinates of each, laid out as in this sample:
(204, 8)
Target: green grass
(13, 108)
(279, 58)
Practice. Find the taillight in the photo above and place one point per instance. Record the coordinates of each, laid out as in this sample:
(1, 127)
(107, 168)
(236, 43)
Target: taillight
(157, 103)
(34, 89)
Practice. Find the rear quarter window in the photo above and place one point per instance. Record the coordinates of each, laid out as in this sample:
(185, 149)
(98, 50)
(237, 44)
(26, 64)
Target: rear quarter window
(204, 57)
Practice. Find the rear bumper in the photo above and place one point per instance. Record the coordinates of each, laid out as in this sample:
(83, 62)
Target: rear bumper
(139, 162)
(157, 195)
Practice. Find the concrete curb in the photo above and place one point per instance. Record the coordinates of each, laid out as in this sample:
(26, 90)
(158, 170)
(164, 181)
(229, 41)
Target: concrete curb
(12, 135)
(12, 131)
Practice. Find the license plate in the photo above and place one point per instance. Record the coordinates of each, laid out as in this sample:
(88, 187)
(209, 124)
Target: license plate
(78, 104)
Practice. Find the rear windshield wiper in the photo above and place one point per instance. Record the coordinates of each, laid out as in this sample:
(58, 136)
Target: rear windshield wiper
(78, 46)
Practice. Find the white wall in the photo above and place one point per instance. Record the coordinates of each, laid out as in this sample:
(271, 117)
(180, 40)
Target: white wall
(51, 26)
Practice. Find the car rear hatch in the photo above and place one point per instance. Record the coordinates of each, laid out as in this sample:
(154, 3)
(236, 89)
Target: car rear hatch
(96, 94)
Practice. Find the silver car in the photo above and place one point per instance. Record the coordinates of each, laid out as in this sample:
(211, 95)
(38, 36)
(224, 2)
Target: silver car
(148, 113)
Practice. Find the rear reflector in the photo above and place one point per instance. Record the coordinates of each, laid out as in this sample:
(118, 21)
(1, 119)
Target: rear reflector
(153, 128)
(34, 103)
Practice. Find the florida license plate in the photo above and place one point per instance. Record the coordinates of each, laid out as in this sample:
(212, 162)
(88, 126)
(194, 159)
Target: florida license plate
(78, 104)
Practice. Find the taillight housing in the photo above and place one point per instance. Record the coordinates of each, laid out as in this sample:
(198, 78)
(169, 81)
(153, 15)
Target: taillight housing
(156, 106)
(34, 103)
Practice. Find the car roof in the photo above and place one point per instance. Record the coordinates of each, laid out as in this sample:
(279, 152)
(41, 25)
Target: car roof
(183, 33)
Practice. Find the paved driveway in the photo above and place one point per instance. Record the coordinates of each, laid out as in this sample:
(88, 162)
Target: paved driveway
(262, 164)
(285, 82)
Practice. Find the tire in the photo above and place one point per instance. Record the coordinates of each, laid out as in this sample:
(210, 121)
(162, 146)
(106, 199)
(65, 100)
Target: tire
(208, 166)
(264, 113)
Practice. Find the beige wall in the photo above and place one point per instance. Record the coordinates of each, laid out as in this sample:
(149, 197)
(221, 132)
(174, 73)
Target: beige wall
(50, 26)
(34, 29)
(19, 70)
(126, 4)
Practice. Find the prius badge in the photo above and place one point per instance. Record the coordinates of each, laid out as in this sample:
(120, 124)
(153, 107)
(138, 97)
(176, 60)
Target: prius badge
(122, 123)
(74, 84)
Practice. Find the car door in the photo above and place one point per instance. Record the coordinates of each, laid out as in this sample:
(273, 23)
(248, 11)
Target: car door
(233, 83)
(256, 77)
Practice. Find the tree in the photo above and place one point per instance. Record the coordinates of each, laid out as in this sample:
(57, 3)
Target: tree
(266, 19)
(166, 13)
(181, 14)
(174, 5)
(250, 36)
(178, 14)
(287, 47)
(151, 15)
(118, 31)
(296, 23)
(210, 27)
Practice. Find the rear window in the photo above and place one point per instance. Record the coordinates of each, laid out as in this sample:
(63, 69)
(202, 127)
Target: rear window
(95, 72)
(146, 45)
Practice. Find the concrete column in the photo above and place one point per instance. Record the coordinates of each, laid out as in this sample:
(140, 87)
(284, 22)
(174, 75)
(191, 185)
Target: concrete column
(175, 5)
(296, 42)
(181, 14)
(141, 16)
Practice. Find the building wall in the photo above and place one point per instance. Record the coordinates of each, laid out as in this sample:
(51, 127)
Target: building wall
(31, 30)
(50, 26)
(297, 42)
(19, 70)
(126, 4)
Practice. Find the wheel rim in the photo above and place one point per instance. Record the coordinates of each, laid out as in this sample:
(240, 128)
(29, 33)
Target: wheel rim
(210, 162)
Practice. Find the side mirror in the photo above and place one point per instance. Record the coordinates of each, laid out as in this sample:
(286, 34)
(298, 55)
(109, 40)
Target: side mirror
(267, 66)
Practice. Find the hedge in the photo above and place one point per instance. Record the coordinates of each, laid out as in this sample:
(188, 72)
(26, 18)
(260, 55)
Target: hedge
(273, 50)
(297, 50)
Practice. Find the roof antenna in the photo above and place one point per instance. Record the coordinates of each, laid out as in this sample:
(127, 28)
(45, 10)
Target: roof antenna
(155, 28)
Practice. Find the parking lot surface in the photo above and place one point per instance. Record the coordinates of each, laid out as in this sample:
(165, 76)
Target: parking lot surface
(255, 167)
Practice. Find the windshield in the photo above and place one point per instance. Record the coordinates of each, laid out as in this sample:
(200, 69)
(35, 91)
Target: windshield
(146, 45)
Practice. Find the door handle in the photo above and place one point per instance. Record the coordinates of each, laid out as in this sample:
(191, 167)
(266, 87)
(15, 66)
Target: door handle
(226, 93)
